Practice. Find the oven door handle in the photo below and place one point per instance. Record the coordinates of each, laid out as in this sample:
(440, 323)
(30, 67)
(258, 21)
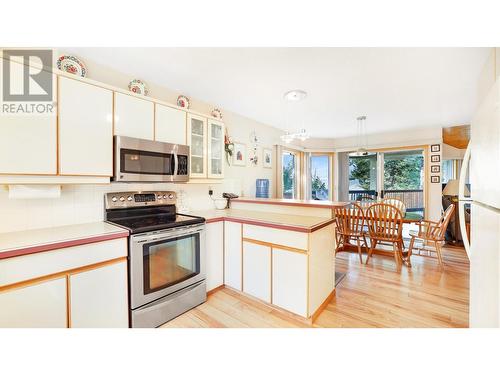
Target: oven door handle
(171, 233)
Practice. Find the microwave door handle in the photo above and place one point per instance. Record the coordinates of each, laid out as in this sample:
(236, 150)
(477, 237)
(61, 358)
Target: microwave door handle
(176, 164)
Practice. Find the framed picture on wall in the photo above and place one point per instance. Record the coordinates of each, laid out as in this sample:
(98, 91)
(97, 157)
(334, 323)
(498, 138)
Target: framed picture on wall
(435, 179)
(435, 148)
(267, 158)
(240, 154)
(435, 168)
(435, 158)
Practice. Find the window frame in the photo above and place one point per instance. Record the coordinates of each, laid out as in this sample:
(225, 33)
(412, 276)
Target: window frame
(297, 172)
(308, 191)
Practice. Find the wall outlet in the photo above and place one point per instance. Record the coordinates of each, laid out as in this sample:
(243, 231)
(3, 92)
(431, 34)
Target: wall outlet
(210, 191)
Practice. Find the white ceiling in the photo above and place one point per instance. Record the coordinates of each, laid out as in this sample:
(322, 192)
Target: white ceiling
(397, 88)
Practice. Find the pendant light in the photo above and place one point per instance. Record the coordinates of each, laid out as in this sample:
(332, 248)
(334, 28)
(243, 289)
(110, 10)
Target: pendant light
(361, 138)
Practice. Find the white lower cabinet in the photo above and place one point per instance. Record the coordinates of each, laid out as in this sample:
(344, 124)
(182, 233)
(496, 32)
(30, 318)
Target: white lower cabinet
(232, 254)
(84, 286)
(41, 305)
(214, 255)
(257, 270)
(290, 281)
(98, 297)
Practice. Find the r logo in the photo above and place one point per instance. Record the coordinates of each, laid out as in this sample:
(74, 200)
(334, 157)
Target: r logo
(24, 80)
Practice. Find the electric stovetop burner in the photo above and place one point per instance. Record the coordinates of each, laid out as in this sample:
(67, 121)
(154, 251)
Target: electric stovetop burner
(146, 211)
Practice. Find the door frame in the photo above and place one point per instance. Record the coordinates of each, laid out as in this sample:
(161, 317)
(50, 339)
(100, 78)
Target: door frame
(426, 167)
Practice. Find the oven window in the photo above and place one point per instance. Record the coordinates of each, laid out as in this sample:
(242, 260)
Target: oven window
(168, 262)
(146, 162)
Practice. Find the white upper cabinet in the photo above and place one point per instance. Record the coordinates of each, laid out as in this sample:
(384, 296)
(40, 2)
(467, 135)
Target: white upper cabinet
(134, 117)
(197, 140)
(216, 132)
(85, 129)
(28, 143)
(170, 124)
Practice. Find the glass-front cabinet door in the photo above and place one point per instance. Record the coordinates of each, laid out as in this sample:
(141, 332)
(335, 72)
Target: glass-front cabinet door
(215, 149)
(197, 140)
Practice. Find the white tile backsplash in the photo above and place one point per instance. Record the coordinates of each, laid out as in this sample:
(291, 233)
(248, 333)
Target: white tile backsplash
(84, 203)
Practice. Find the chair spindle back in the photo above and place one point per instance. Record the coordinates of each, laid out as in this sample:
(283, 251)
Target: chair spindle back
(349, 219)
(385, 222)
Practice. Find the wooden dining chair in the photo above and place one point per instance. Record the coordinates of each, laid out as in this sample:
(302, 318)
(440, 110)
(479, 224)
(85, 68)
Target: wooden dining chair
(432, 232)
(398, 203)
(385, 224)
(349, 222)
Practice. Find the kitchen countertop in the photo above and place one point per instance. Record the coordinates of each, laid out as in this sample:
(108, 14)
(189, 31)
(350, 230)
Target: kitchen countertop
(37, 240)
(269, 219)
(292, 202)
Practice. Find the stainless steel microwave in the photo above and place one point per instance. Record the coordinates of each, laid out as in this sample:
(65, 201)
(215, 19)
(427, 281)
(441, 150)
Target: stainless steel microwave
(140, 160)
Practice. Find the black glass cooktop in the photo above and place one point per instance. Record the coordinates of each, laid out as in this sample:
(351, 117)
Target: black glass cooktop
(140, 224)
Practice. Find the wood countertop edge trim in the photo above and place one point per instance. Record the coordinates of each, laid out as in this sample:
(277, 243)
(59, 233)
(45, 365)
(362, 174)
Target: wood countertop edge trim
(273, 225)
(61, 245)
(297, 204)
(215, 219)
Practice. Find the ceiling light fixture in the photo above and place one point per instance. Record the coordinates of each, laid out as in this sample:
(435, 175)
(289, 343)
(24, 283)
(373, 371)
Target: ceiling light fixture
(295, 95)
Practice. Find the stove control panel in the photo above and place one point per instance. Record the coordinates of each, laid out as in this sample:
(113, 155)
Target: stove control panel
(130, 199)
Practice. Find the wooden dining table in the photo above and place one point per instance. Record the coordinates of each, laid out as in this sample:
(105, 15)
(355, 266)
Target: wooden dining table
(409, 218)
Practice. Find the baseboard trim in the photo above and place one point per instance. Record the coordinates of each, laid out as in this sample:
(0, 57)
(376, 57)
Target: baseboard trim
(321, 307)
(278, 309)
(214, 290)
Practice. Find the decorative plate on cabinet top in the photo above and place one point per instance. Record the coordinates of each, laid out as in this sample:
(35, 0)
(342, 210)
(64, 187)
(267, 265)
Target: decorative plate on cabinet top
(183, 101)
(216, 113)
(138, 87)
(71, 64)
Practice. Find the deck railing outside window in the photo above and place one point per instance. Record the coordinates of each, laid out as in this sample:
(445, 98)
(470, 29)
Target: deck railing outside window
(413, 199)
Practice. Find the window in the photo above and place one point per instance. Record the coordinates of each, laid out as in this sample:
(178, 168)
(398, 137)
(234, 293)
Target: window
(289, 173)
(403, 170)
(320, 177)
(362, 176)
(390, 174)
(447, 171)
(403, 178)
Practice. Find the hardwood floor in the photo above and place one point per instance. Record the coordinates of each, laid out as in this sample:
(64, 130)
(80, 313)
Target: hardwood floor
(371, 295)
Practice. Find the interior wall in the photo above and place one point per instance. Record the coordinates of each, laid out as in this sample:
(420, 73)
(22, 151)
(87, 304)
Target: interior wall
(451, 153)
(408, 137)
(84, 203)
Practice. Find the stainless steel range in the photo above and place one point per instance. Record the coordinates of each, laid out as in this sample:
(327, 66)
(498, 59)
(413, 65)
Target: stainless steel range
(166, 255)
